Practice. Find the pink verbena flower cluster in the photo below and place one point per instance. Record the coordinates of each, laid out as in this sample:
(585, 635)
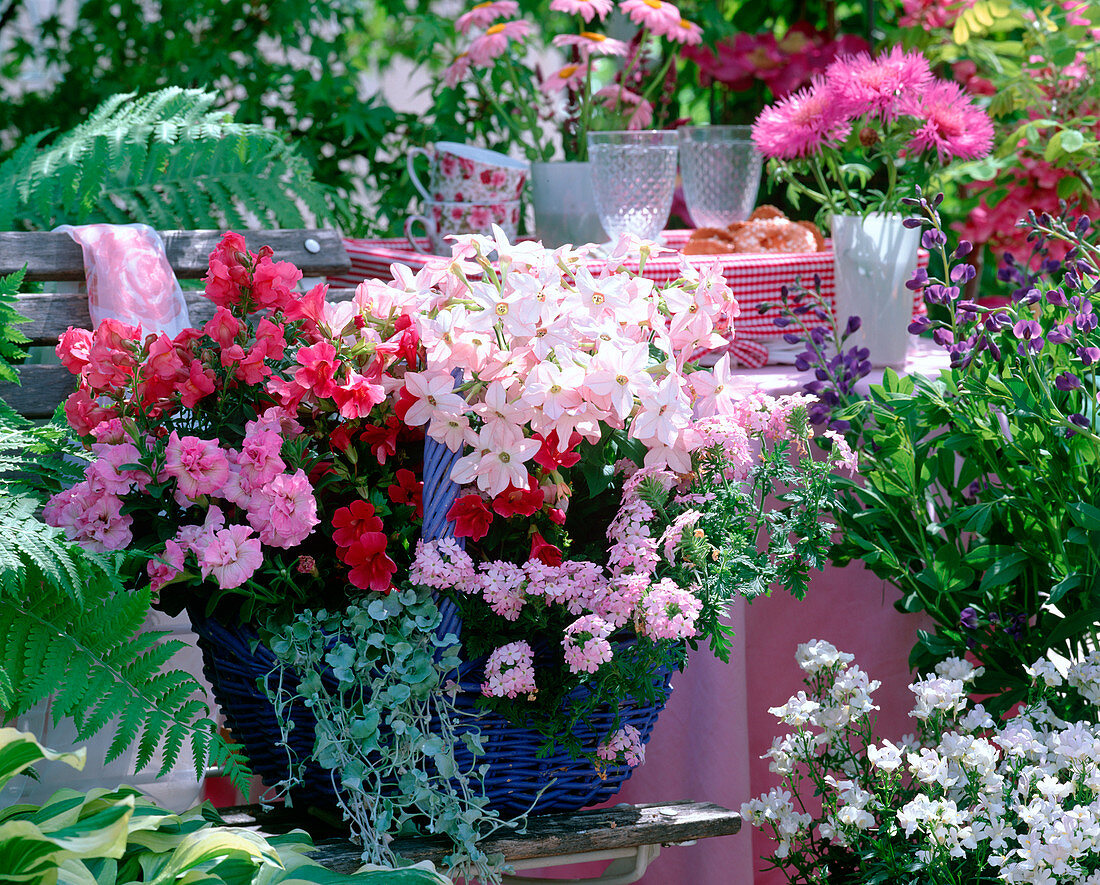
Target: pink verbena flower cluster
(510, 672)
(625, 745)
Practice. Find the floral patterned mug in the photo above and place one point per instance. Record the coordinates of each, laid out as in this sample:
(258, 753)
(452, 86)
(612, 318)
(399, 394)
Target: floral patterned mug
(460, 173)
(445, 219)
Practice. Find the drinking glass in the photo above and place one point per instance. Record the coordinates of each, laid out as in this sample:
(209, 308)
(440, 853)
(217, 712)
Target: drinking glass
(633, 177)
(721, 171)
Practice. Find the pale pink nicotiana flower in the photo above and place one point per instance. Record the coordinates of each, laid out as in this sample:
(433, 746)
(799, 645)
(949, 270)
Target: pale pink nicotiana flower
(801, 124)
(591, 43)
(494, 42)
(484, 14)
(586, 9)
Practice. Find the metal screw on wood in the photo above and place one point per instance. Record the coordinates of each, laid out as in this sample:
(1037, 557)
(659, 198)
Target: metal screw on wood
(312, 246)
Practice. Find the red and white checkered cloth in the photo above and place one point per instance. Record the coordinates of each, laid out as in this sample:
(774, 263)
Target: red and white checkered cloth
(753, 280)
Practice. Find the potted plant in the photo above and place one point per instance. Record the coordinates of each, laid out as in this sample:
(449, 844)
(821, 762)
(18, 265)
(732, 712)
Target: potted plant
(462, 526)
(855, 141)
(605, 83)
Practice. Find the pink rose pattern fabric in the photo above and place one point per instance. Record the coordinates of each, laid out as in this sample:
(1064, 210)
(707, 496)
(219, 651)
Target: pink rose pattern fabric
(129, 277)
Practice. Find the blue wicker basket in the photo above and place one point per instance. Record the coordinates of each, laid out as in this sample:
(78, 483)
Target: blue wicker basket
(235, 663)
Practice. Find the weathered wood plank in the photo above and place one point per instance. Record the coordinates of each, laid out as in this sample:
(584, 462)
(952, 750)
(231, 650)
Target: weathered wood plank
(51, 313)
(552, 835)
(42, 388)
(54, 256)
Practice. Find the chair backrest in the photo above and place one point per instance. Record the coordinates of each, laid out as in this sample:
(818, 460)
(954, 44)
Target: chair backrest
(54, 257)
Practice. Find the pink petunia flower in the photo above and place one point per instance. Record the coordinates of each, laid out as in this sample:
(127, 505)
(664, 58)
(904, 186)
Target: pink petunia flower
(199, 466)
(586, 9)
(494, 42)
(484, 14)
(952, 125)
(878, 87)
(657, 15)
(801, 124)
(284, 511)
(591, 43)
(231, 556)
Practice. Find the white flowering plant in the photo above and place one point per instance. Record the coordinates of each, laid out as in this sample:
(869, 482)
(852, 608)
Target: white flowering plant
(966, 800)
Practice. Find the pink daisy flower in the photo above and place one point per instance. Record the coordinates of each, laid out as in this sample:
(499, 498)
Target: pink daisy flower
(618, 98)
(454, 73)
(657, 15)
(688, 33)
(591, 43)
(952, 125)
(569, 77)
(586, 9)
(801, 124)
(484, 14)
(494, 42)
(877, 86)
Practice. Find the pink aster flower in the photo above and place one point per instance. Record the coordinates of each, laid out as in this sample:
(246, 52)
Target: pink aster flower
(494, 42)
(284, 511)
(878, 86)
(586, 9)
(510, 671)
(591, 43)
(231, 556)
(952, 125)
(570, 76)
(657, 15)
(801, 124)
(685, 32)
(484, 14)
(198, 465)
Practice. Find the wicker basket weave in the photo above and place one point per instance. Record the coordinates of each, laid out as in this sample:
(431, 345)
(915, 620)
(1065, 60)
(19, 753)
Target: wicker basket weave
(235, 663)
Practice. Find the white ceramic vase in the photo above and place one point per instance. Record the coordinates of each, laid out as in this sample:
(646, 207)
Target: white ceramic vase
(874, 257)
(564, 204)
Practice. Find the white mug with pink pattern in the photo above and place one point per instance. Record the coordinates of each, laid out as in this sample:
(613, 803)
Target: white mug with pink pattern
(445, 219)
(461, 173)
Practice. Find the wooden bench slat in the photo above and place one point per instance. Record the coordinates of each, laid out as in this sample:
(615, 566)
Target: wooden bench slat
(547, 836)
(54, 256)
(42, 388)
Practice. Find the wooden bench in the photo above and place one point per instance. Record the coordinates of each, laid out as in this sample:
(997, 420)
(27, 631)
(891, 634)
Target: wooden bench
(54, 257)
(629, 837)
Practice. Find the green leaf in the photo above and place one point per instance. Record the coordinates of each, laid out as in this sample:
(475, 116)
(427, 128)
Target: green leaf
(1004, 570)
(1085, 515)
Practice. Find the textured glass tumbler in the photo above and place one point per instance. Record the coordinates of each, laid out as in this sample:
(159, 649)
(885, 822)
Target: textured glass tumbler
(721, 170)
(633, 177)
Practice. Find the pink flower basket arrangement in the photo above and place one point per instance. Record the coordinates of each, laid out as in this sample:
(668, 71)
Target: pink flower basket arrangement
(587, 504)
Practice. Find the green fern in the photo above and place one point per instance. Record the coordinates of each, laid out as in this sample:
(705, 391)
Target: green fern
(168, 159)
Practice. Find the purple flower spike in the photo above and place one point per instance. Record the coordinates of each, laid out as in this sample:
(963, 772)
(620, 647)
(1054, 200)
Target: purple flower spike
(854, 323)
(964, 248)
(919, 325)
(912, 222)
(919, 278)
(1079, 419)
(1057, 297)
(1027, 330)
(1061, 334)
(968, 618)
(933, 239)
(1067, 381)
(963, 273)
(1088, 355)
(943, 337)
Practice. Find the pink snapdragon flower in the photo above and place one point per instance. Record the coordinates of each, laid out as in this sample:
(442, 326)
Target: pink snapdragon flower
(484, 14)
(627, 742)
(232, 556)
(496, 40)
(199, 466)
(510, 672)
(318, 369)
(586, 9)
(586, 645)
(284, 511)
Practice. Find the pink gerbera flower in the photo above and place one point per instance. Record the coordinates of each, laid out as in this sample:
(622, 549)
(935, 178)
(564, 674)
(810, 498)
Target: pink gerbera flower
(801, 124)
(591, 43)
(657, 15)
(494, 42)
(569, 77)
(484, 14)
(586, 9)
(878, 86)
(952, 125)
(684, 32)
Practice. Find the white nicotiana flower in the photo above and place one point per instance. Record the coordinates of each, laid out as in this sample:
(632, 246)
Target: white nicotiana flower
(930, 768)
(977, 719)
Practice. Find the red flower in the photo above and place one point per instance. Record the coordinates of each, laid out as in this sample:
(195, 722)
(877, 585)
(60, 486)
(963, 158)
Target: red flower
(318, 368)
(557, 515)
(471, 517)
(83, 414)
(310, 307)
(382, 439)
(73, 347)
(408, 490)
(550, 458)
(522, 502)
(223, 327)
(371, 568)
(353, 521)
(544, 551)
(273, 283)
(200, 383)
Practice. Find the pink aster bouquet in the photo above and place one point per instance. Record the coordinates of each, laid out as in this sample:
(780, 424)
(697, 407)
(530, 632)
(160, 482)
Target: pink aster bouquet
(869, 128)
(604, 84)
(609, 497)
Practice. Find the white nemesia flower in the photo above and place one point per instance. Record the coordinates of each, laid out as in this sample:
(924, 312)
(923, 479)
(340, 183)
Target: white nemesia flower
(817, 655)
